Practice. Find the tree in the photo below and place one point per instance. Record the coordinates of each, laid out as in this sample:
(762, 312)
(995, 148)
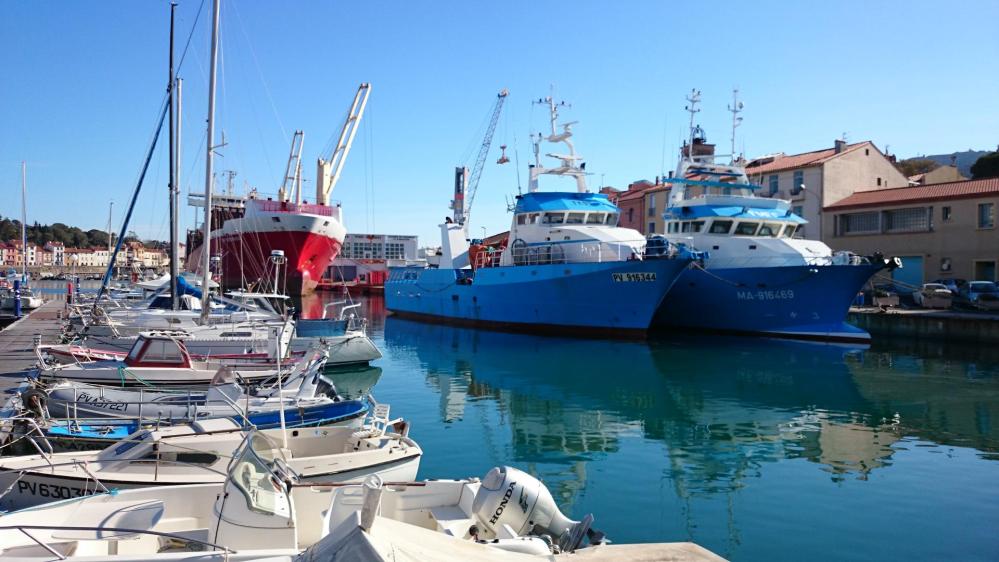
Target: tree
(986, 167)
(915, 166)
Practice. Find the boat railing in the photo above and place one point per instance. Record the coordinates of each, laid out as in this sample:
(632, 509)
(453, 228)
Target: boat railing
(787, 260)
(268, 206)
(190, 401)
(100, 529)
(569, 252)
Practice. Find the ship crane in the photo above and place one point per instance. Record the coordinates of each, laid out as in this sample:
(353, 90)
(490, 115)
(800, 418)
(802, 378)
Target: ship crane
(293, 171)
(469, 183)
(328, 171)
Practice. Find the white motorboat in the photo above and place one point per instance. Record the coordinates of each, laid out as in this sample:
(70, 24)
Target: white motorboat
(28, 300)
(156, 358)
(264, 511)
(200, 452)
(305, 387)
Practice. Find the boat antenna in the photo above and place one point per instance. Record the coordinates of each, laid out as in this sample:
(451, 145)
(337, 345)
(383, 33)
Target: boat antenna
(694, 98)
(735, 109)
(206, 246)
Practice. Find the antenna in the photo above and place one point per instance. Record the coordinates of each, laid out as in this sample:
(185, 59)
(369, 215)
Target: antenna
(736, 109)
(694, 98)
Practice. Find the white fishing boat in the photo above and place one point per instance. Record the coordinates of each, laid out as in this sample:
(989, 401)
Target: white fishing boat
(263, 511)
(199, 452)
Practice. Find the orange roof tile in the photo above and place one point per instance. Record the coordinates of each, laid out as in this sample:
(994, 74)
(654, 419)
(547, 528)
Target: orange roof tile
(802, 160)
(919, 194)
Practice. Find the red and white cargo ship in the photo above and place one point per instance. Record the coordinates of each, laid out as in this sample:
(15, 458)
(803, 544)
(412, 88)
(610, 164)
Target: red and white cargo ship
(246, 230)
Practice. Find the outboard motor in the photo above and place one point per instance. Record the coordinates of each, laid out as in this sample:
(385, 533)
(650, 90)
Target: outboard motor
(511, 503)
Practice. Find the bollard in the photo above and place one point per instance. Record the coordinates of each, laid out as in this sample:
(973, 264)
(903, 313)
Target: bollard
(69, 293)
(17, 298)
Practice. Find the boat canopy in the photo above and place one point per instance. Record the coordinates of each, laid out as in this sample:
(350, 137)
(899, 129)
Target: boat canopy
(735, 212)
(541, 201)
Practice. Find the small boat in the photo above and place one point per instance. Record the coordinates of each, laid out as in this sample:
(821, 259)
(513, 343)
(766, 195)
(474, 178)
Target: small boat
(199, 452)
(264, 511)
(156, 358)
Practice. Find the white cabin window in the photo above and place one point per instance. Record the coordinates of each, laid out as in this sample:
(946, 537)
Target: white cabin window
(692, 226)
(791, 230)
(521, 219)
(595, 218)
(612, 219)
(162, 351)
(720, 227)
(553, 218)
(673, 227)
(575, 218)
(769, 229)
(746, 228)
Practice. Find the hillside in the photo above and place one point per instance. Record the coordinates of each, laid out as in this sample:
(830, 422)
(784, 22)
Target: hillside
(964, 159)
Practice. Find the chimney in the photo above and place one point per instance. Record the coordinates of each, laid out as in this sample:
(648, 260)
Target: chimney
(838, 145)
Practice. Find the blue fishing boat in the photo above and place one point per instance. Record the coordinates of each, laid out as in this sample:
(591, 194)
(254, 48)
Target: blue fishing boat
(757, 275)
(565, 266)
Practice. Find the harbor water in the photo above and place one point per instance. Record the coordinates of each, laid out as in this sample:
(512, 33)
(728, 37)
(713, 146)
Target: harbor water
(756, 449)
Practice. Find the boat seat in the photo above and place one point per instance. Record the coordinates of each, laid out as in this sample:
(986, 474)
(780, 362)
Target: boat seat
(451, 520)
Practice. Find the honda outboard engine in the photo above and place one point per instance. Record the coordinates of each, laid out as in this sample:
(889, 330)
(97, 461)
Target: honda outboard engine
(512, 503)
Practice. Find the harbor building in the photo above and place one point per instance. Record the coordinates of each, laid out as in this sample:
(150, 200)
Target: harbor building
(943, 174)
(642, 205)
(945, 230)
(814, 180)
(365, 258)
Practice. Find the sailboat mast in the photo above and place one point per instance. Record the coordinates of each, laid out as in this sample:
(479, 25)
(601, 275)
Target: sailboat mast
(24, 218)
(206, 245)
(171, 87)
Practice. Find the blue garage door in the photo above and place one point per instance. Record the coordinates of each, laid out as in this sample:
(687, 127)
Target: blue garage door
(911, 273)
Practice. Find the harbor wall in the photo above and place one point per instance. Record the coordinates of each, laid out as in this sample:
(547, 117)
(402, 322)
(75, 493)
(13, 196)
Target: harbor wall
(930, 326)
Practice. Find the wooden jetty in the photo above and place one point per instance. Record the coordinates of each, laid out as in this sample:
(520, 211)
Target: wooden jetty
(17, 341)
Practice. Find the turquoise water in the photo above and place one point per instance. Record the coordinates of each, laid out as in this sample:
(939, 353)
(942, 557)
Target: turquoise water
(756, 449)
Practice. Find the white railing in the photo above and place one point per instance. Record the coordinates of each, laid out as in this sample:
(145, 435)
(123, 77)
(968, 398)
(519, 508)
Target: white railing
(785, 261)
(571, 252)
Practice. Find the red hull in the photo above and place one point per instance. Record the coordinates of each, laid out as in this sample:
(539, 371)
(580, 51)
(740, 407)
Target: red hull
(246, 259)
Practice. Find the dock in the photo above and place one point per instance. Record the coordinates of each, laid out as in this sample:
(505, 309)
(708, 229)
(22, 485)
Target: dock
(949, 325)
(17, 340)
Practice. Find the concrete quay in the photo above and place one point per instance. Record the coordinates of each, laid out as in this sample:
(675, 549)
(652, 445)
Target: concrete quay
(17, 341)
(941, 325)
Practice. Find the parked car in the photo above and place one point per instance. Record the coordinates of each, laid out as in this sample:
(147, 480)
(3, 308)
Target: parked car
(981, 294)
(933, 295)
(955, 285)
(884, 296)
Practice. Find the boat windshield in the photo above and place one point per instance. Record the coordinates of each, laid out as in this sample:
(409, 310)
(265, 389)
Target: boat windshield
(252, 475)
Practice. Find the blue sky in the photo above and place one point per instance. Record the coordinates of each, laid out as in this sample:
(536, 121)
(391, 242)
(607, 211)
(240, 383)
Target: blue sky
(82, 83)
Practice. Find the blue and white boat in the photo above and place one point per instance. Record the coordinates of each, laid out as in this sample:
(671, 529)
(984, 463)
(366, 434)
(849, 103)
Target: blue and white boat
(566, 265)
(756, 276)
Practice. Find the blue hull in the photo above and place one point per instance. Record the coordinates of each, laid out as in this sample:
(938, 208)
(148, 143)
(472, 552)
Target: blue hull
(797, 301)
(100, 433)
(613, 297)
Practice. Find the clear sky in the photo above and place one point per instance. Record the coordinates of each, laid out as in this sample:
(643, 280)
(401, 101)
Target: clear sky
(82, 82)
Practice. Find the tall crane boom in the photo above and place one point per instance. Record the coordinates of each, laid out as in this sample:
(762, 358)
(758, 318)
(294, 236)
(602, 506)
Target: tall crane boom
(328, 171)
(293, 171)
(462, 211)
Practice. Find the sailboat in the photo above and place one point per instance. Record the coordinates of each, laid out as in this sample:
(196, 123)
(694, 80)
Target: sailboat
(28, 300)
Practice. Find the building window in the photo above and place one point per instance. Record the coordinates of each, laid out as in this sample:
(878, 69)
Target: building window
(631, 215)
(652, 228)
(867, 152)
(879, 182)
(799, 180)
(944, 264)
(774, 184)
(986, 215)
(945, 213)
(860, 223)
(916, 219)
(652, 205)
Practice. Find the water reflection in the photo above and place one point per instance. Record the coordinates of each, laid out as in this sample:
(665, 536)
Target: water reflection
(722, 407)
(354, 382)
